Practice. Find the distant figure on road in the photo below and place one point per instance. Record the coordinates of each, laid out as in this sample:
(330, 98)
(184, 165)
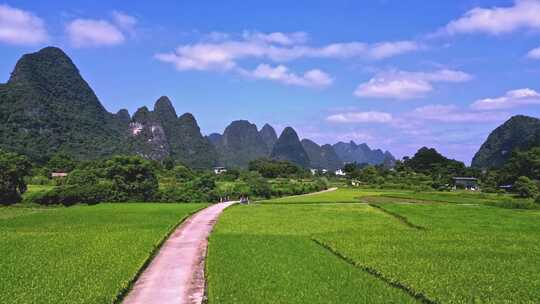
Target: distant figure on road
(244, 200)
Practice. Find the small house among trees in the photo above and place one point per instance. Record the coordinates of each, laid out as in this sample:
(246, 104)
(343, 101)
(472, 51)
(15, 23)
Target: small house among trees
(467, 183)
(220, 170)
(340, 172)
(58, 174)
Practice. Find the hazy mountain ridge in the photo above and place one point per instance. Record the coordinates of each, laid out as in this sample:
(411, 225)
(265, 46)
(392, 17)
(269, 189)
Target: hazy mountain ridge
(351, 152)
(321, 157)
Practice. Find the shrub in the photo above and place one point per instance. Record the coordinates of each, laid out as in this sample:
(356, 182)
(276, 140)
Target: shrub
(71, 195)
(13, 170)
(132, 177)
(39, 180)
(525, 187)
(82, 178)
(514, 204)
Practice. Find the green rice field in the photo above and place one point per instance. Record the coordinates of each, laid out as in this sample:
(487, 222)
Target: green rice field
(81, 254)
(303, 252)
(344, 246)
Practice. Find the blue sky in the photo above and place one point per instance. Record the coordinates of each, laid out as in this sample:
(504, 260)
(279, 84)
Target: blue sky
(397, 75)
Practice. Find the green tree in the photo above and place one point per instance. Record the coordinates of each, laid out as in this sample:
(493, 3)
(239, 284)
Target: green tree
(368, 174)
(81, 177)
(270, 168)
(132, 177)
(61, 162)
(259, 186)
(168, 163)
(525, 187)
(13, 169)
(522, 163)
(182, 172)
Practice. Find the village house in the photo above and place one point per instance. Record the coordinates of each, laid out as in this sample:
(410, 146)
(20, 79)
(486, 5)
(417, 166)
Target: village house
(219, 170)
(467, 183)
(58, 174)
(340, 172)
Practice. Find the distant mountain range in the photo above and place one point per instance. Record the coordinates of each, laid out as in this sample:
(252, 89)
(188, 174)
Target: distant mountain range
(47, 107)
(362, 154)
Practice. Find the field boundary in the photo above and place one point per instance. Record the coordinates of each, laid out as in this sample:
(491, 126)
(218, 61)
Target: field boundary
(377, 274)
(397, 216)
(124, 292)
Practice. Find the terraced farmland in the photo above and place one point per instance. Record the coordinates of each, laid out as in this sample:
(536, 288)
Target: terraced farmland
(82, 254)
(355, 253)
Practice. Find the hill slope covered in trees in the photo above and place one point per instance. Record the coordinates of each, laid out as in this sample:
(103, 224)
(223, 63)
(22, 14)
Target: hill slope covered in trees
(518, 133)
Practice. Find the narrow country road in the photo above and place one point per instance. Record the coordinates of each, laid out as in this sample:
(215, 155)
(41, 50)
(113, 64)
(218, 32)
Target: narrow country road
(176, 274)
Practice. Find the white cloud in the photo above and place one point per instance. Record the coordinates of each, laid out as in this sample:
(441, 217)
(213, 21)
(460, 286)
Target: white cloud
(124, 21)
(277, 37)
(390, 49)
(360, 117)
(21, 27)
(98, 32)
(511, 99)
(280, 73)
(524, 14)
(278, 47)
(407, 85)
(452, 114)
(534, 53)
(93, 33)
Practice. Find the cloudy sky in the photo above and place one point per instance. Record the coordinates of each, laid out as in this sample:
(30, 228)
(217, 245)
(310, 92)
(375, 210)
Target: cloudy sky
(395, 74)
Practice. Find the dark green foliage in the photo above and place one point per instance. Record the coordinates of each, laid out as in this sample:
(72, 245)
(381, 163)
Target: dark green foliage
(47, 107)
(260, 187)
(430, 162)
(519, 132)
(525, 187)
(521, 163)
(275, 168)
(13, 169)
(200, 189)
(168, 163)
(194, 150)
(321, 157)
(231, 175)
(131, 177)
(70, 195)
(353, 169)
(82, 178)
(240, 144)
(61, 162)
(289, 148)
(182, 172)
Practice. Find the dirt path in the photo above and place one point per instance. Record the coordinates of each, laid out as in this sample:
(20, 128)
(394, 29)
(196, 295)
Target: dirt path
(313, 193)
(176, 274)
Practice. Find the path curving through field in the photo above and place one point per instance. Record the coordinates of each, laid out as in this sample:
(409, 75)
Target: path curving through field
(176, 274)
